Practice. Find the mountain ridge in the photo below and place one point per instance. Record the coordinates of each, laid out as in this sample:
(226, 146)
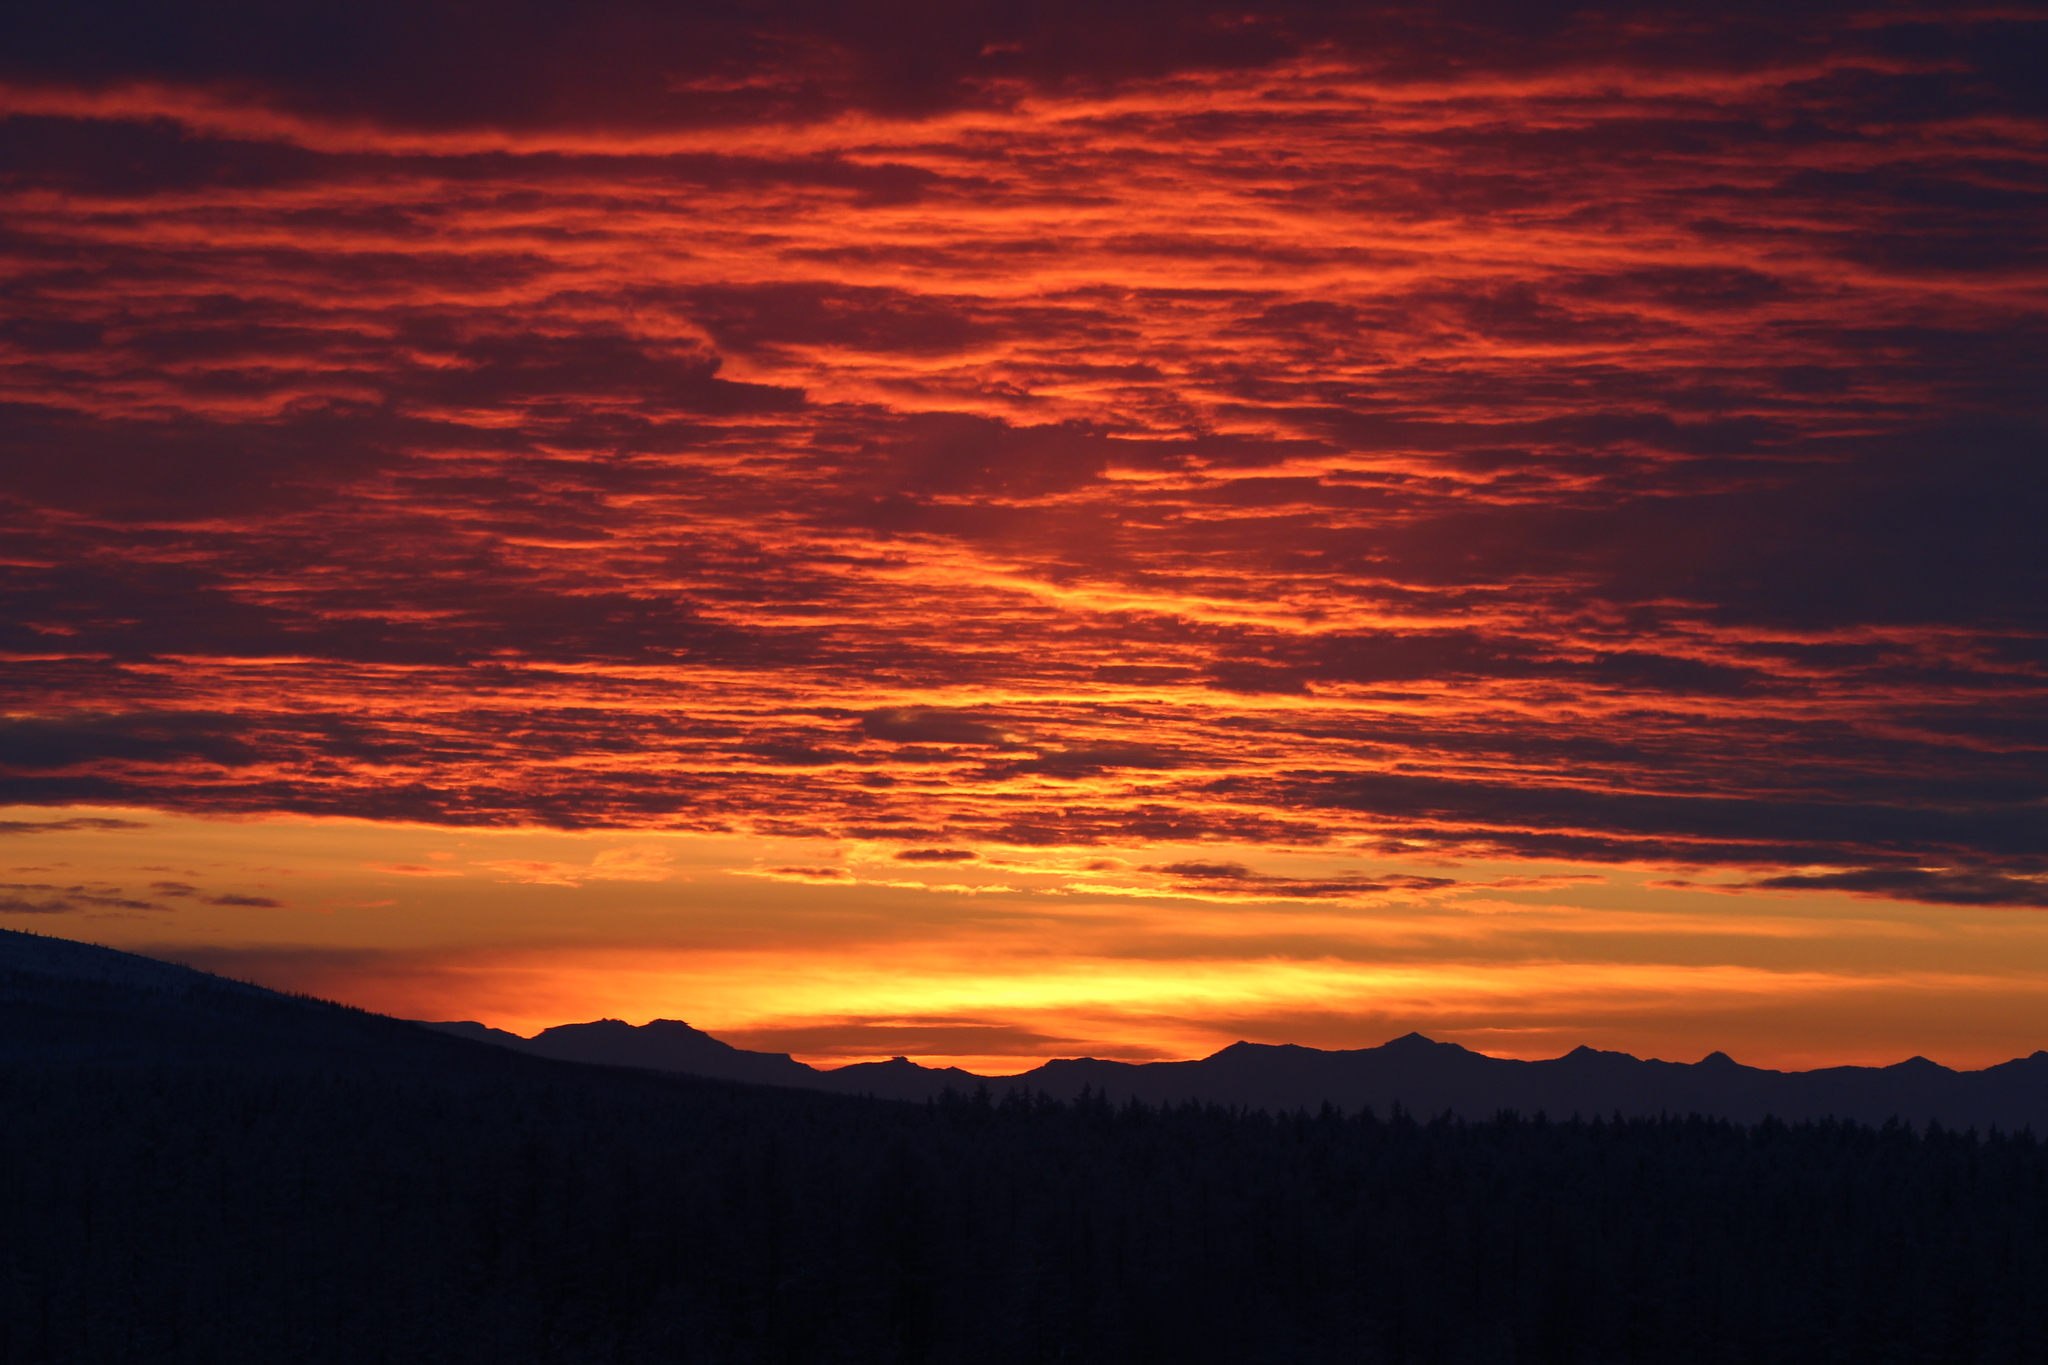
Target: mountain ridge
(1413, 1072)
(83, 1000)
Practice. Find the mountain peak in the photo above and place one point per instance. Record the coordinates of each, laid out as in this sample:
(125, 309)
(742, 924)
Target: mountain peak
(1919, 1065)
(594, 1025)
(1414, 1042)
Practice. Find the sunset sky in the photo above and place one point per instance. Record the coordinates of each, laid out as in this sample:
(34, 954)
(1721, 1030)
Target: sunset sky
(988, 531)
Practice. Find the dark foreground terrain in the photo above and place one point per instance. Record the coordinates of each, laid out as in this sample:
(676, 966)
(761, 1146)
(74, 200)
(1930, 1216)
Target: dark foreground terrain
(195, 1171)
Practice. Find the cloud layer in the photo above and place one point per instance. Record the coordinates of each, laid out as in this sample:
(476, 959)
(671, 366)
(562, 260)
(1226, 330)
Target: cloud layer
(1439, 431)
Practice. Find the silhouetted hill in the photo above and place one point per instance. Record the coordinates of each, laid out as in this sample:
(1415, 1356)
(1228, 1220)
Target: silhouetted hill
(671, 1045)
(201, 1172)
(1414, 1073)
(661, 1045)
(81, 1002)
(25, 955)
(482, 1033)
(1428, 1077)
(900, 1079)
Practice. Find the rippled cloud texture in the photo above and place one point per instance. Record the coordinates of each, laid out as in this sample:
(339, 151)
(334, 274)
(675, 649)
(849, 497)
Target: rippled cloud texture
(1417, 435)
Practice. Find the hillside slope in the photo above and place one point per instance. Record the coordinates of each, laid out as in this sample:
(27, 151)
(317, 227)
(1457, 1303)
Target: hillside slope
(204, 1173)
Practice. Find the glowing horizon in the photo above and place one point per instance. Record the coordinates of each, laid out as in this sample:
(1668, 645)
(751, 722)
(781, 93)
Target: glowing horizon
(1007, 535)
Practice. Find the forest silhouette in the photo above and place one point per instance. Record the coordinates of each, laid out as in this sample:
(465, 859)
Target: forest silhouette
(203, 1171)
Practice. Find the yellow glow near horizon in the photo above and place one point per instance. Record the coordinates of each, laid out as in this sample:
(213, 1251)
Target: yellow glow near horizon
(837, 951)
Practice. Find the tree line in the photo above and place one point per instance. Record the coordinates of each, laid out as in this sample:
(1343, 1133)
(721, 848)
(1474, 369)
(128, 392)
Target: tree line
(178, 1206)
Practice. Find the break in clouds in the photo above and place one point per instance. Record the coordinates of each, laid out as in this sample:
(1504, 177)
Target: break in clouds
(1614, 444)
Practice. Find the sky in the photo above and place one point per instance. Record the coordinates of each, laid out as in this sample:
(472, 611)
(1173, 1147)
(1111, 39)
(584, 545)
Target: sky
(986, 532)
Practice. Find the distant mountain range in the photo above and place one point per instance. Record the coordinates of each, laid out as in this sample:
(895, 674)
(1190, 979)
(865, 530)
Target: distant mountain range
(67, 997)
(202, 1172)
(1421, 1075)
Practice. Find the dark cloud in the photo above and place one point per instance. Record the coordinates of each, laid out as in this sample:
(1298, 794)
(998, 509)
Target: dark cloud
(797, 755)
(135, 158)
(750, 317)
(936, 855)
(160, 737)
(1085, 760)
(130, 157)
(44, 899)
(1681, 829)
(505, 368)
(622, 63)
(1382, 658)
(132, 613)
(186, 891)
(1932, 886)
(47, 334)
(1235, 879)
(1689, 288)
(67, 826)
(930, 725)
(2001, 53)
(1251, 678)
(943, 454)
(183, 467)
(1925, 528)
(1204, 871)
(22, 905)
